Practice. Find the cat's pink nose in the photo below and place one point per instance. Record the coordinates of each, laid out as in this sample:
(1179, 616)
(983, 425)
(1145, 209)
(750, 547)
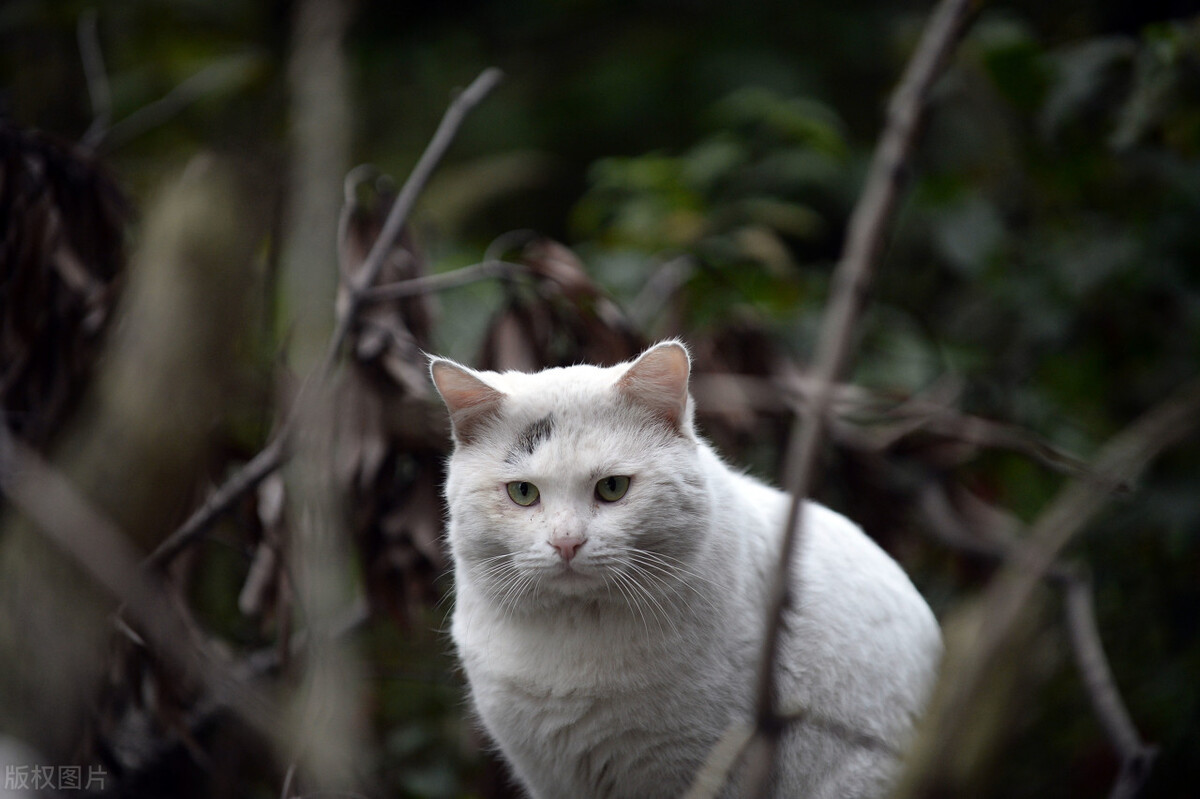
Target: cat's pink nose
(567, 545)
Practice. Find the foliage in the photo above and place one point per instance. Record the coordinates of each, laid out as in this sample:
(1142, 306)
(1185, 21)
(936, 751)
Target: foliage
(1044, 270)
(1046, 260)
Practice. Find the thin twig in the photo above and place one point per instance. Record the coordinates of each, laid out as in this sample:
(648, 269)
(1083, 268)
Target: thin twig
(89, 538)
(368, 272)
(99, 91)
(865, 237)
(441, 281)
(1102, 691)
(668, 278)
(162, 110)
(220, 501)
(286, 792)
(508, 241)
(1136, 756)
(275, 453)
(884, 418)
(714, 773)
(1120, 462)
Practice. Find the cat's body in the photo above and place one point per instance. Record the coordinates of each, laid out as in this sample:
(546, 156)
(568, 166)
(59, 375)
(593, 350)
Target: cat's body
(610, 629)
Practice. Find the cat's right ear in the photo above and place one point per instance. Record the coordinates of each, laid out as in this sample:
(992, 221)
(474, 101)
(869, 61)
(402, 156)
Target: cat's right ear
(471, 402)
(658, 381)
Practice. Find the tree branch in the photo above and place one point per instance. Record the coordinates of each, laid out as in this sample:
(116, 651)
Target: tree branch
(90, 539)
(1136, 756)
(99, 91)
(275, 453)
(877, 420)
(220, 501)
(160, 111)
(1120, 462)
(441, 281)
(1033, 560)
(368, 272)
(865, 237)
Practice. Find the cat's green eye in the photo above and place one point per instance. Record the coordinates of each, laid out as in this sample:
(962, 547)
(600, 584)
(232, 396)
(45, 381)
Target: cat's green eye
(610, 489)
(523, 493)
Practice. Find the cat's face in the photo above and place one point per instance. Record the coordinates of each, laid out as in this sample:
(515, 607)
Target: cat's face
(574, 483)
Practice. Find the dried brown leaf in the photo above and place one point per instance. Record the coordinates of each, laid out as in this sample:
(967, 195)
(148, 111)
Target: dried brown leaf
(60, 255)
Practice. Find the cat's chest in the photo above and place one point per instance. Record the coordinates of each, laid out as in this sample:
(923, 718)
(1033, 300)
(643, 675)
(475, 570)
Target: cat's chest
(580, 709)
(583, 655)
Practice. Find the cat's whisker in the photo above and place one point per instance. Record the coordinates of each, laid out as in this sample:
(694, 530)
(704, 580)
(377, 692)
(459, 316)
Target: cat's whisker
(515, 584)
(674, 565)
(444, 600)
(654, 601)
(633, 605)
(670, 580)
(630, 602)
(678, 592)
(499, 575)
(495, 561)
(627, 589)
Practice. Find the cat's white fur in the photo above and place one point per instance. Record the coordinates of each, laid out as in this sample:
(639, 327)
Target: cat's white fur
(613, 673)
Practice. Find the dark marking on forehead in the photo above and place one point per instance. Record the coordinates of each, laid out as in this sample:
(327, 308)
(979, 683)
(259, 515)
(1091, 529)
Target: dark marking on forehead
(531, 437)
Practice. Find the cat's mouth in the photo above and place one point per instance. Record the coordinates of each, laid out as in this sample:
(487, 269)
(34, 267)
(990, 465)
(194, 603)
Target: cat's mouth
(572, 576)
(567, 571)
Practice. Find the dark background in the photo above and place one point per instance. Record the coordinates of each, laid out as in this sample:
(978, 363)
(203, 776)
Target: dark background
(1046, 265)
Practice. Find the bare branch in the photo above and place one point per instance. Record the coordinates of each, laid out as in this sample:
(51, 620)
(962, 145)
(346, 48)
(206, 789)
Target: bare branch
(865, 237)
(152, 115)
(220, 501)
(876, 420)
(439, 282)
(1033, 560)
(1102, 690)
(368, 273)
(91, 540)
(508, 241)
(668, 278)
(245, 479)
(1136, 756)
(88, 34)
(275, 453)
(722, 758)
(1119, 463)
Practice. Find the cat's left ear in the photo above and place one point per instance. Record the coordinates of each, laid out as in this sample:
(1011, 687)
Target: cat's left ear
(471, 402)
(658, 381)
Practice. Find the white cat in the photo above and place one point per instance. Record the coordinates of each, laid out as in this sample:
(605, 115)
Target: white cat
(611, 578)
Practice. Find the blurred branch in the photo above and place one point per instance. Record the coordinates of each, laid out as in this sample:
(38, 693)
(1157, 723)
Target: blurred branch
(220, 501)
(91, 540)
(442, 281)
(665, 282)
(92, 55)
(510, 240)
(874, 420)
(325, 707)
(984, 541)
(1136, 756)
(272, 456)
(369, 271)
(872, 216)
(1032, 559)
(152, 115)
(102, 130)
(1119, 462)
(710, 780)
